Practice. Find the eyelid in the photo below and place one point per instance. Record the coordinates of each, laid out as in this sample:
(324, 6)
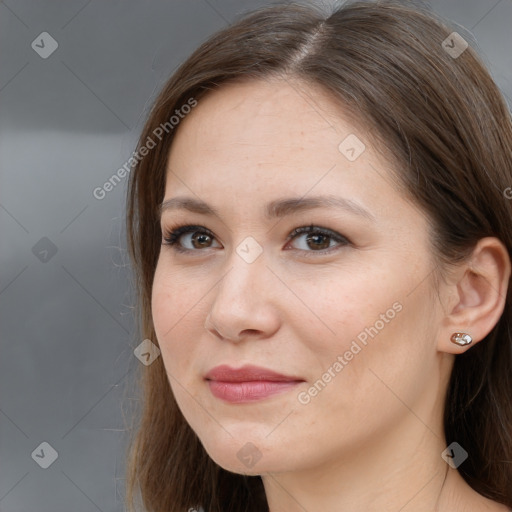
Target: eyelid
(313, 228)
(172, 234)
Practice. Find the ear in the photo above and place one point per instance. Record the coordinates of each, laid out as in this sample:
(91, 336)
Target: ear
(477, 290)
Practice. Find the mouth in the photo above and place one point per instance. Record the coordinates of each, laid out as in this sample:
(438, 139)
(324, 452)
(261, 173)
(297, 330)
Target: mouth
(248, 383)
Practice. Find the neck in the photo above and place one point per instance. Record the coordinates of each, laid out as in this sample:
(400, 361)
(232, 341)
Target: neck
(400, 470)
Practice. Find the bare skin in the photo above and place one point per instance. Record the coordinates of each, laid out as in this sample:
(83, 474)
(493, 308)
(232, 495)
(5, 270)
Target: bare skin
(371, 438)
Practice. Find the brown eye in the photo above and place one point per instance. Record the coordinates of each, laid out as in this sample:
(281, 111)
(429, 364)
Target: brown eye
(315, 239)
(189, 238)
(200, 240)
(319, 241)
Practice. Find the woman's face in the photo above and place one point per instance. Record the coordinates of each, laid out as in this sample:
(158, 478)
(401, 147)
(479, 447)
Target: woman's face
(345, 311)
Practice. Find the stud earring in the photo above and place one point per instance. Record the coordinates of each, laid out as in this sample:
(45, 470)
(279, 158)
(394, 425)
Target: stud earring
(461, 338)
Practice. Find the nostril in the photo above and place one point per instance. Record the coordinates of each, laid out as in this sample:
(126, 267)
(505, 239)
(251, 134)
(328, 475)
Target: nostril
(250, 331)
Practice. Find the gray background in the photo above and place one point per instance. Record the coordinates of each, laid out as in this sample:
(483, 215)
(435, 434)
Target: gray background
(68, 122)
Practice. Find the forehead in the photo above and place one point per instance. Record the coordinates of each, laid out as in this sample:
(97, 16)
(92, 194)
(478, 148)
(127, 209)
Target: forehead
(257, 141)
(263, 123)
(273, 98)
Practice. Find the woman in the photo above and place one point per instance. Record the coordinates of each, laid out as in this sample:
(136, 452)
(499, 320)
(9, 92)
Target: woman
(321, 236)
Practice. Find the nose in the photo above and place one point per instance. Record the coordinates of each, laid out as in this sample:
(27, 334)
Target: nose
(245, 302)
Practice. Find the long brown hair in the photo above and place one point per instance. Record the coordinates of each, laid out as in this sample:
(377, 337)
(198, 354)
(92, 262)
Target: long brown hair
(445, 124)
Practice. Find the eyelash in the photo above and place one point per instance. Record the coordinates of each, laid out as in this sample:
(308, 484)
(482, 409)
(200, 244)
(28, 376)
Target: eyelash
(172, 236)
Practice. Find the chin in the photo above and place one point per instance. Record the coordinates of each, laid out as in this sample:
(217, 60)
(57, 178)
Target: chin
(243, 457)
(231, 463)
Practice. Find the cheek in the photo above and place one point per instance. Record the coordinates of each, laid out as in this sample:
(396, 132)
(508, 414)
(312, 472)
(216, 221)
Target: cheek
(383, 357)
(365, 321)
(173, 320)
(173, 298)
(173, 314)
(162, 303)
(345, 306)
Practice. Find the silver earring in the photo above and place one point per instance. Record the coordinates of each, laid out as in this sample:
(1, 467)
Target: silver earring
(461, 338)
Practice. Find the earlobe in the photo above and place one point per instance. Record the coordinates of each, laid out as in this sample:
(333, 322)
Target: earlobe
(480, 291)
(461, 338)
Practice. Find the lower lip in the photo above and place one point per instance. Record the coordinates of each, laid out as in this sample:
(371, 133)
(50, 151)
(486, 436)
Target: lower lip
(243, 392)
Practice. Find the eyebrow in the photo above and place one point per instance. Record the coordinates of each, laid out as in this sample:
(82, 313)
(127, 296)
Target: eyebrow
(274, 209)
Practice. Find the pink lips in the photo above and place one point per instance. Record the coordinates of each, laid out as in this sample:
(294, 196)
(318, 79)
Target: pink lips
(248, 383)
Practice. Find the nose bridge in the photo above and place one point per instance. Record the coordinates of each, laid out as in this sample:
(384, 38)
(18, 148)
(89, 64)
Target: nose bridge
(243, 272)
(239, 303)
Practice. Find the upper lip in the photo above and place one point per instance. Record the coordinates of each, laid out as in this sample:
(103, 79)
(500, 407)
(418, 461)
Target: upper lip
(247, 373)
